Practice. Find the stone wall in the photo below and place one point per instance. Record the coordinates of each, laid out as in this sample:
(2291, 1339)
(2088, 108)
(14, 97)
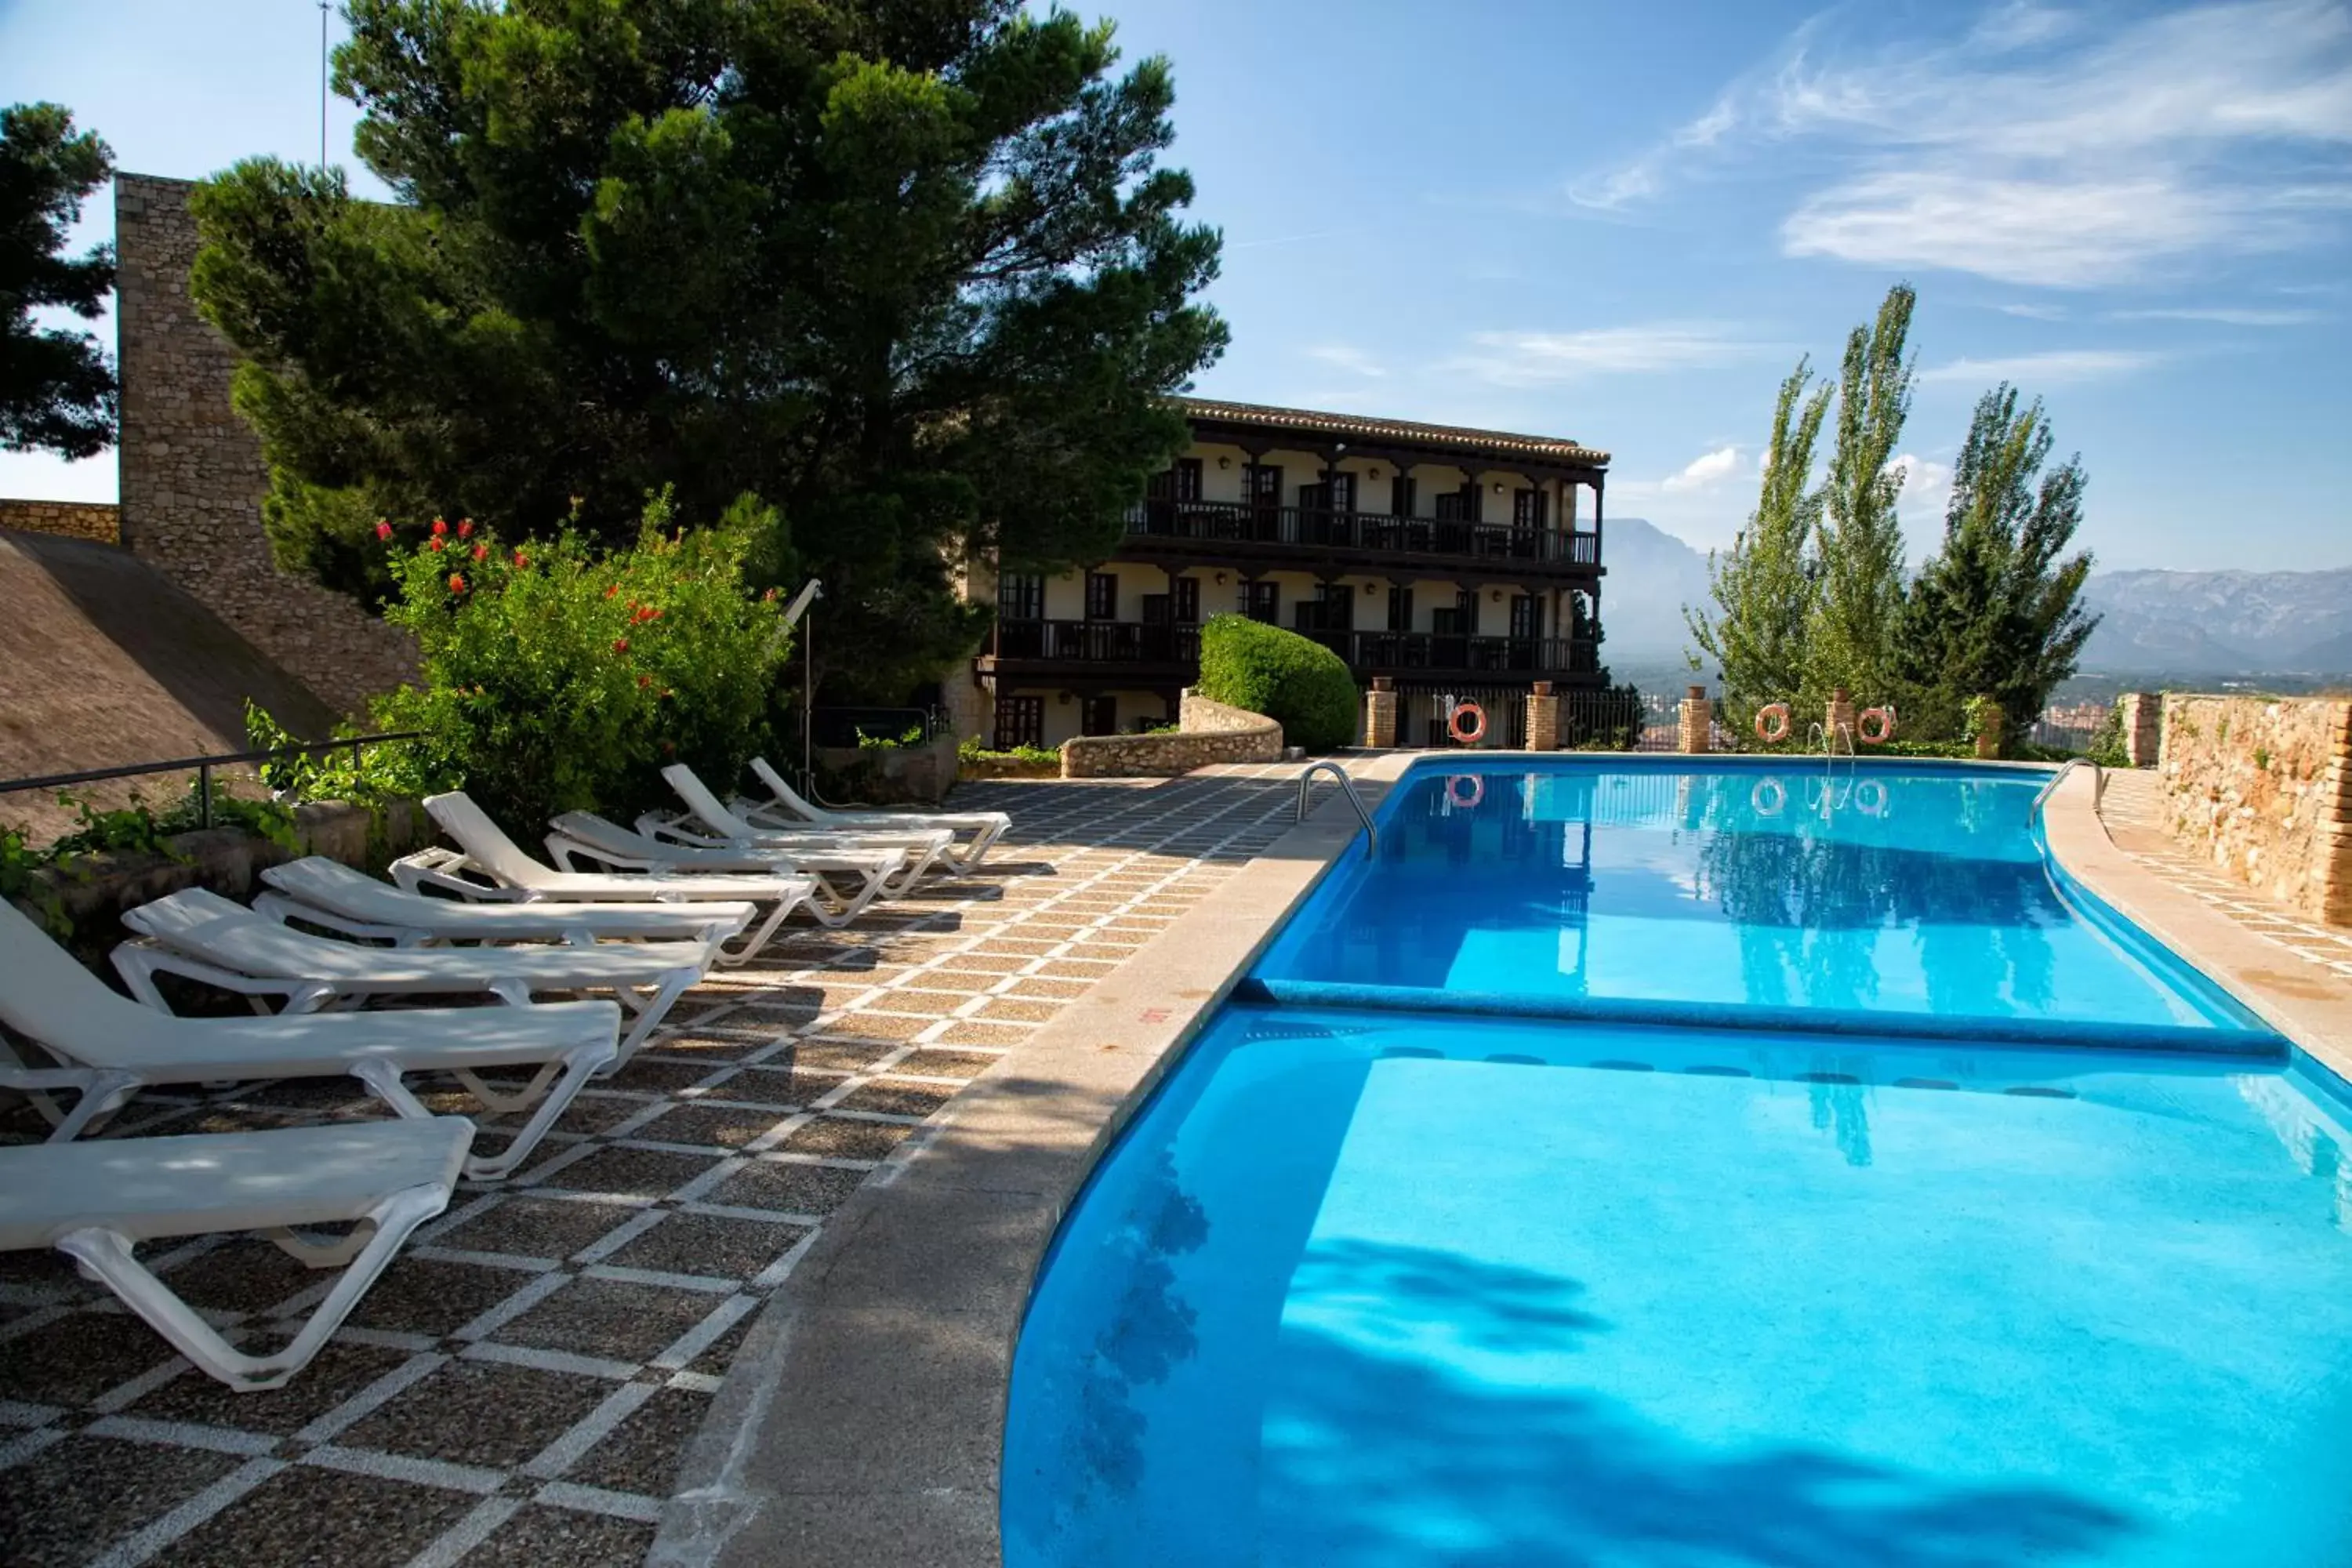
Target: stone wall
(192, 474)
(94, 520)
(2263, 789)
(1208, 732)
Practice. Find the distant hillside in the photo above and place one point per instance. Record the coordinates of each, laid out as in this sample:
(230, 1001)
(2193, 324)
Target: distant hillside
(2181, 625)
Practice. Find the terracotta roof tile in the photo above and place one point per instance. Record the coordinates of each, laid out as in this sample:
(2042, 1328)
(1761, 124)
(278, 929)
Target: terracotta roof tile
(1405, 432)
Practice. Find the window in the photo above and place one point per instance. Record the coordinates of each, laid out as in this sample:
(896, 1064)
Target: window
(1262, 483)
(1399, 609)
(1527, 508)
(1100, 715)
(1526, 616)
(1452, 505)
(1021, 596)
(1262, 602)
(1020, 721)
(1401, 496)
(1187, 594)
(1102, 596)
(1188, 478)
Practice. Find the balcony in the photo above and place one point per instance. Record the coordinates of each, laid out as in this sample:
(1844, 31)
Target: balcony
(1243, 532)
(1170, 655)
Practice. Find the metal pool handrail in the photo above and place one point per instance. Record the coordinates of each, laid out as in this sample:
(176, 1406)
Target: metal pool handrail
(2099, 784)
(1347, 788)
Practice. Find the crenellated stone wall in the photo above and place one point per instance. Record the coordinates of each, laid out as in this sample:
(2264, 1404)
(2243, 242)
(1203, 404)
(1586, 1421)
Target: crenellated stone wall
(1208, 732)
(98, 521)
(2263, 788)
(191, 473)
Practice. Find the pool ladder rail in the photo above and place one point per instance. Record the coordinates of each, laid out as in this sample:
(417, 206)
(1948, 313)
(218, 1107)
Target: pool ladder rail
(1347, 787)
(2050, 787)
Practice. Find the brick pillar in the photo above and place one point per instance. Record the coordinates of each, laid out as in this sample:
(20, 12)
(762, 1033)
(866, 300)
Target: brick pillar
(2143, 727)
(1695, 730)
(1989, 725)
(1840, 718)
(1380, 714)
(2333, 852)
(1543, 719)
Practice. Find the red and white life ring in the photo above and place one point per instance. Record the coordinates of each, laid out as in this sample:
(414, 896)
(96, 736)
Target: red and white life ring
(1470, 734)
(1456, 798)
(1869, 798)
(1876, 726)
(1768, 797)
(1772, 723)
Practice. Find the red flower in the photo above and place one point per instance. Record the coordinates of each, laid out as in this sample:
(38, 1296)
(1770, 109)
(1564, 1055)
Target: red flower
(769, 597)
(522, 560)
(433, 544)
(620, 644)
(481, 552)
(439, 527)
(644, 681)
(382, 528)
(457, 583)
(465, 528)
(613, 590)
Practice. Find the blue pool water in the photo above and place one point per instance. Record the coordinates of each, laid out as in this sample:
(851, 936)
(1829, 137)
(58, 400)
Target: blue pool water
(1374, 1286)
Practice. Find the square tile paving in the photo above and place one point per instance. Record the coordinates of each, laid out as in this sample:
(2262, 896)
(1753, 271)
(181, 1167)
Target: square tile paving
(520, 1386)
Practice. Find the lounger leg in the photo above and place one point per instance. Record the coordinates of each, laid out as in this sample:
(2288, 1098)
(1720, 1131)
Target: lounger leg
(650, 1011)
(106, 1254)
(506, 1100)
(326, 1252)
(868, 891)
(578, 1068)
(754, 943)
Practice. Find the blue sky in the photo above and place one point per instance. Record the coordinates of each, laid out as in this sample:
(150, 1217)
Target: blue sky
(1624, 222)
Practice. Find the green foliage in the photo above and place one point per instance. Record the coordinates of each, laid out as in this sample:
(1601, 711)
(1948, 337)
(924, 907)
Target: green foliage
(559, 678)
(375, 777)
(1851, 641)
(1765, 588)
(131, 829)
(19, 862)
(2108, 746)
(1998, 610)
(56, 386)
(1609, 720)
(911, 274)
(1298, 682)
(866, 743)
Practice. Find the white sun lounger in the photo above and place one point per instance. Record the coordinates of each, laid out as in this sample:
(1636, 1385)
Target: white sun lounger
(709, 823)
(847, 879)
(323, 892)
(206, 937)
(488, 867)
(94, 1202)
(108, 1048)
(786, 809)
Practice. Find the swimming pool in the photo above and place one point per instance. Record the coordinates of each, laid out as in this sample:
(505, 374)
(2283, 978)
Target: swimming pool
(1554, 1280)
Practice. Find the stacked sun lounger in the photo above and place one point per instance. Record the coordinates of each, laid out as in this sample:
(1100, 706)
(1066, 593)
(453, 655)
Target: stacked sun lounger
(638, 916)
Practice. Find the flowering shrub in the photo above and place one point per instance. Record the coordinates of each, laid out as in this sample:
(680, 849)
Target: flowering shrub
(564, 678)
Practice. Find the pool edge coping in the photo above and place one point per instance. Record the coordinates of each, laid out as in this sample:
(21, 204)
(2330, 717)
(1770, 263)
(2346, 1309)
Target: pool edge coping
(2249, 968)
(898, 1310)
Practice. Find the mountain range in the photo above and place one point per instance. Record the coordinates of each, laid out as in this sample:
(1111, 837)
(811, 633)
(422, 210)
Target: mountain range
(2226, 625)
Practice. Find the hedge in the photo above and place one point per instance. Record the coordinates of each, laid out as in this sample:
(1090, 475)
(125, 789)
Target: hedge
(1301, 685)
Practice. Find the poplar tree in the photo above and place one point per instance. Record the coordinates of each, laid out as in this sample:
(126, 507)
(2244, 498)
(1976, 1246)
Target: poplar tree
(1766, 587)
(906, 272)
(1998, 610)
(1855, 619)
(57, 384)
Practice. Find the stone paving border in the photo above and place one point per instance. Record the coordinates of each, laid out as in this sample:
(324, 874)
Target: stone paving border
(862, 1425)
(2309, 1003)
(522, 1385)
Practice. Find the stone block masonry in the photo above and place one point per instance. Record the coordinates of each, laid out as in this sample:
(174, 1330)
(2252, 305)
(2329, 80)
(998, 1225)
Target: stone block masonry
(192, 472)
(1208, 732)
(94, 521)
(2263, 791)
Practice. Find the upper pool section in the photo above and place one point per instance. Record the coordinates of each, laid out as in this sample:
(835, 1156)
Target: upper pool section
(1914, 900)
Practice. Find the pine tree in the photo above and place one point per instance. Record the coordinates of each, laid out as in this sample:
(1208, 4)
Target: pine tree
(56, 386)
(909, 274)
(1998, 610)
(1851, 642)
(1765, 588)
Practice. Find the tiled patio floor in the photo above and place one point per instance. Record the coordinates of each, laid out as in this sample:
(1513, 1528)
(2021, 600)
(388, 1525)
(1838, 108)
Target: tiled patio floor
(2133, 810)
(521, 1384)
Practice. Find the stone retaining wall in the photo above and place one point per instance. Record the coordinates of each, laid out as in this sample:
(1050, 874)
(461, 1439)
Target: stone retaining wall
(97, 520)
(2263, 788)
(192, 472)
(1208, 732)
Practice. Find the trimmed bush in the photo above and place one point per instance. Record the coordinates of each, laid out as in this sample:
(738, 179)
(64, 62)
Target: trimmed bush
(1300, 684)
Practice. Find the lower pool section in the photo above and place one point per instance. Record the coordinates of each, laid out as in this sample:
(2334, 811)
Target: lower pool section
(1379, 1288)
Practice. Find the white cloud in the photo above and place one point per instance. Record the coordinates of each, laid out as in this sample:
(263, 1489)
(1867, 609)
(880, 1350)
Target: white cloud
(1703, 472)
(2034, 312)
(1347, 357)
(1927, 487)
(1537, 359)
(2052, 368)
(2040, 153)
(2225, 315)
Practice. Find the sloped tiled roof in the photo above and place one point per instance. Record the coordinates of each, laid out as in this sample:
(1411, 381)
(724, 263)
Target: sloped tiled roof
(1403, 432)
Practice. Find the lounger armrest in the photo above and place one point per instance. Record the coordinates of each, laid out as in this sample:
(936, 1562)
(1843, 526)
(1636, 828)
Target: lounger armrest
(672, 830)
(285, 909)
(567, 852)
(444, 870)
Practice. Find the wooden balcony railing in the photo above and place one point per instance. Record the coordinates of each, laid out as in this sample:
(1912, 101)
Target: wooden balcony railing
(1367, 653)
(1237, 523)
